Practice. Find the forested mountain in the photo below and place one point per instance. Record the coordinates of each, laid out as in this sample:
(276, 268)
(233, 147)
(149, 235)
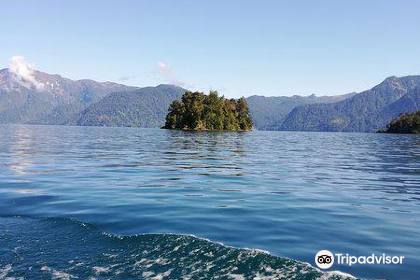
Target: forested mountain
(52, 99)
(143, 107)
(365, 112)
(147, 107)
(42, 98)
(268, 113)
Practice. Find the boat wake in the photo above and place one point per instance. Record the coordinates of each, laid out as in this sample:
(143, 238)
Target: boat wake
(61, 248)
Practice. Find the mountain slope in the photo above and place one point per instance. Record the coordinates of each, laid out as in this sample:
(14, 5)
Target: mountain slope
(144, 107)
(410, 102)
(269, 112)
(147, 107)
(364, 112)
(48, 99)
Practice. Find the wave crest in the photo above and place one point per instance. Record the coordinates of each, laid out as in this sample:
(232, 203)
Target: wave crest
(59, 248)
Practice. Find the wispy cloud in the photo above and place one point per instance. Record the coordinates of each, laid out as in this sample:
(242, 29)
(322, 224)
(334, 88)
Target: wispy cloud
(24, 72)
(170, 76)
(126, 78)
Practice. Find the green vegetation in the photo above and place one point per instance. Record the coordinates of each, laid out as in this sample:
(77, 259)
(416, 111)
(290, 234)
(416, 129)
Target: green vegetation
(407, 123)
(143, 107)
(197, 111)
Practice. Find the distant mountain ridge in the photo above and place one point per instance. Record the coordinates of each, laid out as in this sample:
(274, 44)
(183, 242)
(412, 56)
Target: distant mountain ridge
(58, 100)
(143, 107)
(367, 111)
(269, 112)
(86, 102)
(53, 103)
(147, 107)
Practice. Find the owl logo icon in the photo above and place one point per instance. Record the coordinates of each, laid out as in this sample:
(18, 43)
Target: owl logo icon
(324, 259)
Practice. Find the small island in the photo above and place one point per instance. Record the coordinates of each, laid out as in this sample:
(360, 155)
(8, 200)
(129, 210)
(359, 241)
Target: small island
(197, 111)
(405, 123)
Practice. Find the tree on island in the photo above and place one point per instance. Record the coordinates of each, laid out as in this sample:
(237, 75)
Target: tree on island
(405, 123)
(197, 111)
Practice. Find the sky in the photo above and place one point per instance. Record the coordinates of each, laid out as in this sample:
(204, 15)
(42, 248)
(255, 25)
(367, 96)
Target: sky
(239, 48)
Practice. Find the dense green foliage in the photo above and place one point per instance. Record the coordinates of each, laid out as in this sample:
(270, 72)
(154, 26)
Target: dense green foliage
(144, 107)
(197, 111)
(407, 123)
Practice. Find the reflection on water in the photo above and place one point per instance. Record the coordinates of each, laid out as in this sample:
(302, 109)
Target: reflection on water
(21, 146)
(291, 193)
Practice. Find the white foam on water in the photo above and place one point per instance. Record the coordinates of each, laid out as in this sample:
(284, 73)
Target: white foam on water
(257, 250)
(4, 271)
(260, 276)
(61, 275)
(176, 248)
(161, 276)
(267, 272)
(162, 261)
(147, 274)
(99, 270)
(111, 256)
(56, 274)
(236, 276)
(339, 273)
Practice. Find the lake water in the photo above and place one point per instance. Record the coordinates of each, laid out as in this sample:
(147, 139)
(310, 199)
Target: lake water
(119, 203)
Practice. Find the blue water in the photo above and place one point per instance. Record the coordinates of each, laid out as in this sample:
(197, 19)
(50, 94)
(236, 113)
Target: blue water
(96, 202)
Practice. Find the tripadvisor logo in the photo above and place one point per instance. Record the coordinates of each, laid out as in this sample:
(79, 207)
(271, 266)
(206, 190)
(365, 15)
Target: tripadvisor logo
(325, 259)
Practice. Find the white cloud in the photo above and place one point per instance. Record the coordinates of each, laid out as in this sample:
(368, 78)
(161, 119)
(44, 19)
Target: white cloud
(24, 72)
(169, 76)
(126, 78)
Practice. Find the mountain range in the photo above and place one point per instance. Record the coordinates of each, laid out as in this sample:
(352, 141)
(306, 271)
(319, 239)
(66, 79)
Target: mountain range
(367, 111)
(269, 113)
(41, 98)
(51, 99)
